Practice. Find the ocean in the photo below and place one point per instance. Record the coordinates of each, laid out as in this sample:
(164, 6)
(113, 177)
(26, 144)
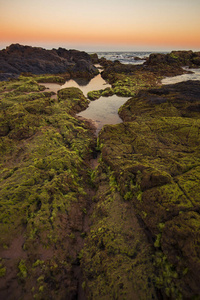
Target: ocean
(129, 58)
(126, 57)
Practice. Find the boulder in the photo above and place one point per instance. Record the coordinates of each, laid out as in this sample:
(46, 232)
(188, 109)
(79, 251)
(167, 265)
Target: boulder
(171, 64)
(94, 58)
(17, 59)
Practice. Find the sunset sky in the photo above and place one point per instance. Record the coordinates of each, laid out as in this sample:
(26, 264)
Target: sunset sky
(106, 25)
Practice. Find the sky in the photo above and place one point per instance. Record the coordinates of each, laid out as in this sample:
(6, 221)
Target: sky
(106, 25)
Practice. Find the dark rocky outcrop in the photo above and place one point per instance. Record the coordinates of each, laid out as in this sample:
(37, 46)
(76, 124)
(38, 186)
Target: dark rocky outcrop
(175, 100)
(17, 59)
(158, 63)
(140, 58)
(171, 64)
(179, 58)
(94, 58)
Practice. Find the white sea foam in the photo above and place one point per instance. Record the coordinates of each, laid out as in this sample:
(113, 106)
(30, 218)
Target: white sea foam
(125, 57)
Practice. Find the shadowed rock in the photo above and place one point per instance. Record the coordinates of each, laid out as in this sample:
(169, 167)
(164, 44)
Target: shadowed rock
(17, 59)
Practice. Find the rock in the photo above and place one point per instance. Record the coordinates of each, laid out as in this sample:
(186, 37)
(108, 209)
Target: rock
(94, 95)
(44, 157)
(140, 58)
(84, 67)
(16, 59)
(94, 58)
(180, 99)
(180, 242)
(154, 156)
(74, 99)
(73, 55)
(170, 64)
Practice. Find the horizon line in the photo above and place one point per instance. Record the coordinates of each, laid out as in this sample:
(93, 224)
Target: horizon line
(89, 48)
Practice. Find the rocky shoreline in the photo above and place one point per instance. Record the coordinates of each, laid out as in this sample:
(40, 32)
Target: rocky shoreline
(125, 227)
(17, 59)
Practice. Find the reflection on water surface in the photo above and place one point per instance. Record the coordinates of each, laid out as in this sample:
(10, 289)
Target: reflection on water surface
(194, 76)
(105, 110)
(85, 85)
(102, 111)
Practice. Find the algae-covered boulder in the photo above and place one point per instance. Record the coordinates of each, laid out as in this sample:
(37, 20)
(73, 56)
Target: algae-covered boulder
(176, 100)
(73, 98)
(128, 81)
(171, 64)
(94, 95)
(107, 92)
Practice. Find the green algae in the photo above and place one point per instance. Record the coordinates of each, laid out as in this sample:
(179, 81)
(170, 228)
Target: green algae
(94, 95)
(52, 78)
(22, 269)
(114, 262)
(72, 99)
(155, 159)
(166, 277)
(107, 92)
(130, 85)
(126, 86)
(144, 228)
(2, 268)
(43, 182)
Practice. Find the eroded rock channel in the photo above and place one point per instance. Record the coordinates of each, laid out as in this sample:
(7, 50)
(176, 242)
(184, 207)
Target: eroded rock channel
(108, 217)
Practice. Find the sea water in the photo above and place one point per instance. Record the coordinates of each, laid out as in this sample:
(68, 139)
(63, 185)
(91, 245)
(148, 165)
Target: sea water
(125, 57)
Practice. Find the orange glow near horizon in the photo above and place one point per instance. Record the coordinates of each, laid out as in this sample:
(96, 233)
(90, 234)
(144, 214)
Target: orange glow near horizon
(131, 39)
(130, 24)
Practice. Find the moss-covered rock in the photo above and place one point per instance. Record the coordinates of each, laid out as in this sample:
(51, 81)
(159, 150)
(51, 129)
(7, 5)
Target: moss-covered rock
(94, 95)
(107, 92)
(73, 99)
(44, 179)
(116, 255)
(177, 100)
(155, 161)
(52, 78)
(139, 237)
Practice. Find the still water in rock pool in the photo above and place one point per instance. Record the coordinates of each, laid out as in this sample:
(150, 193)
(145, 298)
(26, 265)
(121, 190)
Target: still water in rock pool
(105, 109)
(184, 77)
(83, 84)
(102, 111)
